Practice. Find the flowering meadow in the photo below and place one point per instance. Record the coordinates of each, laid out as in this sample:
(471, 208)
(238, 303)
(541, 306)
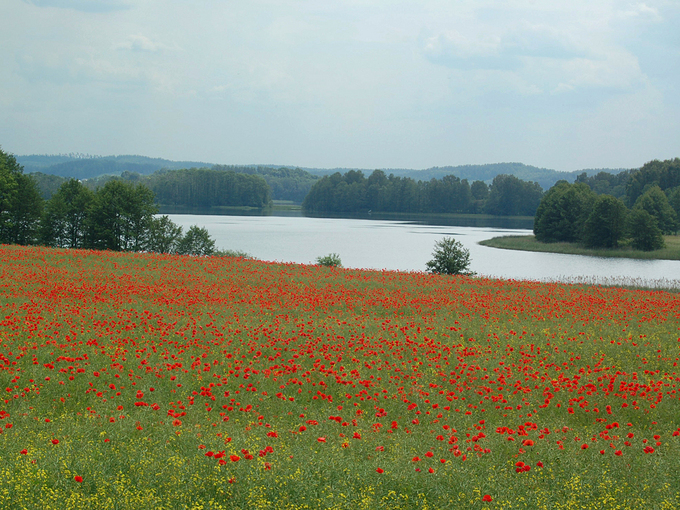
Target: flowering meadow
(162, 381)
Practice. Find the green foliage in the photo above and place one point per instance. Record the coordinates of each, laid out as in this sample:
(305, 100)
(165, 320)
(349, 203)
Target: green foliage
(164, 236)
(197, 241)
(352, 192)
(665, 174)
(119, 217)
(20, 203)
(330, 260)
(606, 224)
(205, 188)
(510, 196)
(48, 184)
(63, 224)
(449, 257)
(605, 183)
(562, 213)
(645, 231)
(654, 201)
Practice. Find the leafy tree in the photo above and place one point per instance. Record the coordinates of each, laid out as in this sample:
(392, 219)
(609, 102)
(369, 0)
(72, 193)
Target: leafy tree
(654, 201)
(120, 216)
(163, 236)
(606, 224)
(197, 241)
(479, 190)
(20, 203)
(64, 221)
(665, 174)
(562, 213)
(645, 231)
(449, 257)
(331, 260)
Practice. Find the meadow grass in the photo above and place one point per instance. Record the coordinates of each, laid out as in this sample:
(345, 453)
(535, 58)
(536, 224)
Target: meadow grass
(151, 381)
(529, 243)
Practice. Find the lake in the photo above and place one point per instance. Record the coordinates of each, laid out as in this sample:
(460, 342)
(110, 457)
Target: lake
(407, 245)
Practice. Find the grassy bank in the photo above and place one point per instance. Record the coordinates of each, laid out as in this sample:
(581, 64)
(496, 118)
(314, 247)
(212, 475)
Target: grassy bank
(529, 243)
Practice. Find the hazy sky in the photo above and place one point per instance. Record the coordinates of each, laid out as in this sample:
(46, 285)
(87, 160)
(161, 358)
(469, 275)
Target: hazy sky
(371, 84)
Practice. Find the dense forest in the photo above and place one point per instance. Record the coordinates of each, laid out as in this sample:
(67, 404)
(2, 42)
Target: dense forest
(636, 207)
(353, 192)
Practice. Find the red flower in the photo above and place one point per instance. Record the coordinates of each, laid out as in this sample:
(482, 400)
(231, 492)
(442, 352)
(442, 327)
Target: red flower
(380, 470)
(24, 452)
(55, 441)
(78, 478)
(234, 458)
(176, 423)
(321, 439)
(486, 498)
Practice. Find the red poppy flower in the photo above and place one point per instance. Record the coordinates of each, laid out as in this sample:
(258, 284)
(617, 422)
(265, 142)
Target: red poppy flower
(55, 441)
(486, 498)
(78, 478)
(380, 470)
(234, 458)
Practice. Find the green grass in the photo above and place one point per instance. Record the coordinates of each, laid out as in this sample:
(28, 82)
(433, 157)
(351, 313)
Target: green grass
(529, 243)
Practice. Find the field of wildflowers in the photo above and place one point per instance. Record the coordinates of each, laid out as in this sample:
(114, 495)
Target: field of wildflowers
(148, 381)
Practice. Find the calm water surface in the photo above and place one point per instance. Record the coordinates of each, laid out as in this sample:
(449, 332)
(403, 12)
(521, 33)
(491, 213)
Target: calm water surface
(407, 246)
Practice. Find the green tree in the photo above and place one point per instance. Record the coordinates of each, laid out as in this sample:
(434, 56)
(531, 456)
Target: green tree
(562, 213)
(163, 236)
(64, 221)
(20, 203)
(645, 231)
(655, 202)
(197, 241)
(119, 217)
(449, 257)
(26, 211)
(606, 224)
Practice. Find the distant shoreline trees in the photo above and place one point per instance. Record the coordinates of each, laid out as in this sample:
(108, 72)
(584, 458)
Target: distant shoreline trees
(352, 192)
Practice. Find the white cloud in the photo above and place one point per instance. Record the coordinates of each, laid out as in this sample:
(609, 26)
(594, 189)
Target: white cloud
(140, 42)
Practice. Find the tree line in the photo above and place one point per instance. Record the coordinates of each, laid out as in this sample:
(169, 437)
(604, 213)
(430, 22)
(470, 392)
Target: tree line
(352, 192)
(119, 216)
(646, 208)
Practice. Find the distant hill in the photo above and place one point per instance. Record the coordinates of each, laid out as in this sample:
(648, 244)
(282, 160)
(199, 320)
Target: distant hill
(82, 166)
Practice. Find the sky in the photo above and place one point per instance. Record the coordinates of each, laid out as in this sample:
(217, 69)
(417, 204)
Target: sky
(368, 84)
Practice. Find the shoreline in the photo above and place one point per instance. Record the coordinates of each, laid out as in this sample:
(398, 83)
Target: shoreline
(529, 243)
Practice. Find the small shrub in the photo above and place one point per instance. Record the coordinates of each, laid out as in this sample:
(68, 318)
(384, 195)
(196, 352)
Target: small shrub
(330, 260)
(450, 257)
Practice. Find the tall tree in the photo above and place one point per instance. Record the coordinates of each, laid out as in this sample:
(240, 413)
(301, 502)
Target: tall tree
(20, 203)
(119, 217)
(562, 213)
(606, 224)
(65, 216)
(645, 231)
(655, 202)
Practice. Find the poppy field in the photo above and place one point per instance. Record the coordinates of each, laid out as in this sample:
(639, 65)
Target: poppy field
(163, 381)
